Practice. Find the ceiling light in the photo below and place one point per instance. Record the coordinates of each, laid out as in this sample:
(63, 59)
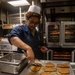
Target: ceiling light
(19, 3)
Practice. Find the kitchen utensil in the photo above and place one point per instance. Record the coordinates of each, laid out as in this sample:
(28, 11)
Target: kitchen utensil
(32, 62)
(35, 64)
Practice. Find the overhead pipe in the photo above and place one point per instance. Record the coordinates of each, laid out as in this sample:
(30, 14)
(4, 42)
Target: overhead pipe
(20, 15)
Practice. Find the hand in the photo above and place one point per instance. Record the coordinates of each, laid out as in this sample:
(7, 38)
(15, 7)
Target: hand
(43, 48)
(30, 53)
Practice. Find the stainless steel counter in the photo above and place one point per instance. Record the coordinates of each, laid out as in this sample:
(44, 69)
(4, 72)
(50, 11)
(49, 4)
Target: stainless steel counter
(73, 66)
(23, 72)
(5, 73)
(27, 70)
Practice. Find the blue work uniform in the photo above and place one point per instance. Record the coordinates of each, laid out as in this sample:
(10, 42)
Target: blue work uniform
(24, 33)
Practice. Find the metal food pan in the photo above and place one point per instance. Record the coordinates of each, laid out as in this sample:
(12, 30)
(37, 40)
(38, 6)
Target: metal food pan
(13, 63)
(28, 71)
(13, 58)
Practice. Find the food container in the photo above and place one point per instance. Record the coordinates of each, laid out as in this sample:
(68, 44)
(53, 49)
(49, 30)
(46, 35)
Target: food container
(43, 62)
(13, 63)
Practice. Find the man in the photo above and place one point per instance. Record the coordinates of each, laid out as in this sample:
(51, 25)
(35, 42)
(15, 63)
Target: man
(26, 37)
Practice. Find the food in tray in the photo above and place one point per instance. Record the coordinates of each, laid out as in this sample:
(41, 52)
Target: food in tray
(50, 64)
(65, 65)
(64, 70)
(35, 68)
(46, 73)
(68, 32)
(50, 73)
(59, 74)
(32, 74)
(8, 26)
(50, 69)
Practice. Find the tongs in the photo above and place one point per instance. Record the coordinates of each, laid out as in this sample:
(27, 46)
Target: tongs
(33, 62)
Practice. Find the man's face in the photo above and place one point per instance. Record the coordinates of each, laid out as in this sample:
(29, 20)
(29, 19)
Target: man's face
(32, 23)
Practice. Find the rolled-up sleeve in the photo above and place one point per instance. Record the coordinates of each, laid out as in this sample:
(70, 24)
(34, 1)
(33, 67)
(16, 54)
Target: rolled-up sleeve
(15, 32)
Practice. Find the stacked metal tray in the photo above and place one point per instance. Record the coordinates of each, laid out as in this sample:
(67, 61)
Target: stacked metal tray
(43, 62)
(13, 63)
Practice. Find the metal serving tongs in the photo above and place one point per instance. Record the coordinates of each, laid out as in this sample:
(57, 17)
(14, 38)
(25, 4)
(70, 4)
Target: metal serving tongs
(33, 62)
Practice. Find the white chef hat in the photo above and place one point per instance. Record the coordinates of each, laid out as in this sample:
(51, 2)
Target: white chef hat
(34, 8)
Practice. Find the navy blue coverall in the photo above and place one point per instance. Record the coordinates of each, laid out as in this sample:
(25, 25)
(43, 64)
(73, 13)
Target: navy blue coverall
(24, 33)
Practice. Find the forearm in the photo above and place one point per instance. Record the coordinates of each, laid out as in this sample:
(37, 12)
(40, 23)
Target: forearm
(19, 43)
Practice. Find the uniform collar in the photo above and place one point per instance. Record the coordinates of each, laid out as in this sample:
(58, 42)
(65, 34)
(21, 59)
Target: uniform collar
(28, 30)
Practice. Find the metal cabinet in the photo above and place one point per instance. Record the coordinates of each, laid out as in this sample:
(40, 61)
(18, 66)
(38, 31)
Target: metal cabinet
(6, 46)
(67, 34)
(52, 30)
(60, 34)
